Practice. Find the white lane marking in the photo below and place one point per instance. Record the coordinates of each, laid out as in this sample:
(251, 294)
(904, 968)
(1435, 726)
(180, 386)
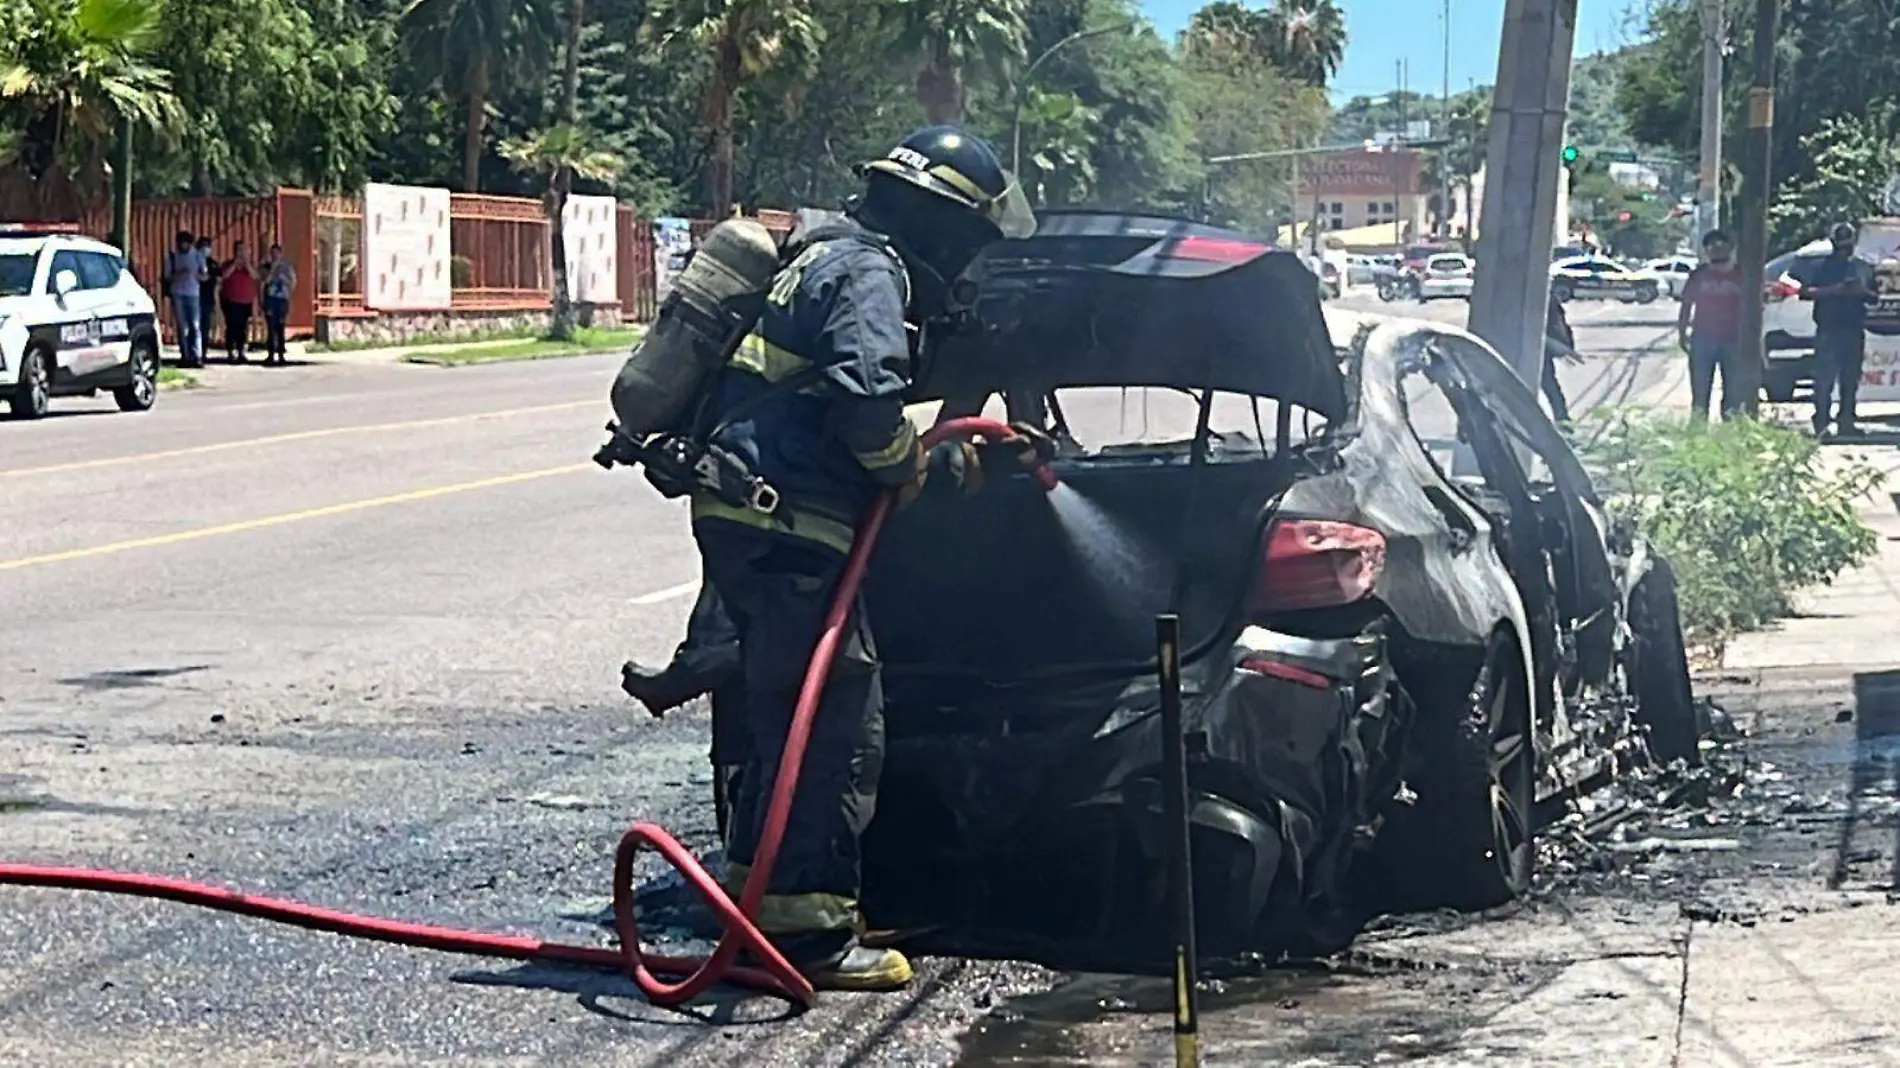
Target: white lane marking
(667, 594)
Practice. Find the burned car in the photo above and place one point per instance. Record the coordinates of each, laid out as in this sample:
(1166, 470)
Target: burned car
(1394, 660)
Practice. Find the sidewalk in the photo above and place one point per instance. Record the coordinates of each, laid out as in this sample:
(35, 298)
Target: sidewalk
(1844, 625)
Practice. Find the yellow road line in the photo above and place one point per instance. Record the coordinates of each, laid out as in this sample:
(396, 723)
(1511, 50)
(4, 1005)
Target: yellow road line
(296, 435)
(286, 517)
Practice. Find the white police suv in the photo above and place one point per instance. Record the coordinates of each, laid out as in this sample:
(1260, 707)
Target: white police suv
(73, 321)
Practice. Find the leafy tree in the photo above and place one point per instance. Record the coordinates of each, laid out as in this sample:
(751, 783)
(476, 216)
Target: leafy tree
(470, 48)
(1307, 39)
(557, 156)
(1854, 157)
(273, 92)
(1240, 104)
(746, 40)
(1132, 84)
(1832, 60)
(71, 72)
(1060, 168)
(949, 42)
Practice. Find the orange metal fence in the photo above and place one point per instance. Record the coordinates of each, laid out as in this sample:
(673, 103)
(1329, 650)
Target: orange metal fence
(499, 253)
(337, 237)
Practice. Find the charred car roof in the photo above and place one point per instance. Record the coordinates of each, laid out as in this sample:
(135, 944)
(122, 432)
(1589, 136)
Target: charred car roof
(1105, 299)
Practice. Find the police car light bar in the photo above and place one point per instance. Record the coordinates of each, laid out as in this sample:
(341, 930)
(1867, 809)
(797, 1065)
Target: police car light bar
(36, 229)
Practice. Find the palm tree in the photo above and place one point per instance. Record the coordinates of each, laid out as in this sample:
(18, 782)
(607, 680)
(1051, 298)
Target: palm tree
(1223, 28)
(558, 155)
(74, 73)
(471, 46)
(1307, 38)
(747, 39)
(950, 42)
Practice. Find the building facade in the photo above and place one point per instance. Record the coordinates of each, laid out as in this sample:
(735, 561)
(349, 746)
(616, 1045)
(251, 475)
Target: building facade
(1373, 186)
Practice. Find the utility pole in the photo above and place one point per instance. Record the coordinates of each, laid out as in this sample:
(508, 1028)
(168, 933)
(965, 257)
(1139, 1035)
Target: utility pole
(1523, 173)
(1444, 131)
(1708, 195)
(1756, 186)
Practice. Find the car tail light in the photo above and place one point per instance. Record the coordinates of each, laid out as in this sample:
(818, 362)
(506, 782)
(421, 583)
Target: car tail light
(1317, 563)
(1280, 669)
(1212, 250)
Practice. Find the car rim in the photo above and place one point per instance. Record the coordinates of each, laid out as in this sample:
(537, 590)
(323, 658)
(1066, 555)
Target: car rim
(36, 381)
(1510, 755)
(144, 375)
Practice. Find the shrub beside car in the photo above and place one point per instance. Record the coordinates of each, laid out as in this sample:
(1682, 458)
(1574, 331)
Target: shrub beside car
(1747, 511)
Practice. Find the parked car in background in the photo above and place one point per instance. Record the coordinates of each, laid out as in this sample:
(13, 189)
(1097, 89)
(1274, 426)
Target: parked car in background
(1787, 321)
(73, 322)
(1362, 270)
(1672, 272)
(1600, 278)
(1446, 276)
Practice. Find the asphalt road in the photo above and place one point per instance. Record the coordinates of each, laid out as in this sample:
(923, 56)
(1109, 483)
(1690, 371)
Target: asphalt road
(350, 634)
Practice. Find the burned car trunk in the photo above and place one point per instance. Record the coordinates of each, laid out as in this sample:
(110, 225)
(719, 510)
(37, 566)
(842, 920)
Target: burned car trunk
(1388, 664)
(1017, 627)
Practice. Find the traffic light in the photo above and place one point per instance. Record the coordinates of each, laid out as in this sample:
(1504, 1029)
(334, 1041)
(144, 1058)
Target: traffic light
(1570, 154)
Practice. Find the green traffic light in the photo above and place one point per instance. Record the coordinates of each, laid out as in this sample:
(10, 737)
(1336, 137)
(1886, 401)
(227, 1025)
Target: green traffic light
(1570, 153)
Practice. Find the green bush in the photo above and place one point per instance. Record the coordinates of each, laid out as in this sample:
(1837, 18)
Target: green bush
(1748, 512)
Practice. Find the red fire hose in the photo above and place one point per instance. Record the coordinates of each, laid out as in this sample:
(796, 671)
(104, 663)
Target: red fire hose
(776, 975)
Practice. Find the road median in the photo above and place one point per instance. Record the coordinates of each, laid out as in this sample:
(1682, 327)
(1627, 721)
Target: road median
(587, 341)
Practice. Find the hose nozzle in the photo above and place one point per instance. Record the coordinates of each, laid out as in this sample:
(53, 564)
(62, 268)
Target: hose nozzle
(967, 427)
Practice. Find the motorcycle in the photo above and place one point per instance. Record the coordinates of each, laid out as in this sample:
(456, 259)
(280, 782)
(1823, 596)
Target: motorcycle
(1393, 287)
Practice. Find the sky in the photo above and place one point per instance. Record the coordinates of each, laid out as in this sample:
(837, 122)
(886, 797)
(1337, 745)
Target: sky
(1380, 33)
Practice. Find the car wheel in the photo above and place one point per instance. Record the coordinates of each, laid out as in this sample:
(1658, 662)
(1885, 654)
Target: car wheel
(35, 387)
(1646, 294)
(139, 394)
(1659, 670)
(1562, 292)
(1468, 842)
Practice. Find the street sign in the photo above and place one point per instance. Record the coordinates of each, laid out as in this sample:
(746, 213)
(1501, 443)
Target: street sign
(1616, 155)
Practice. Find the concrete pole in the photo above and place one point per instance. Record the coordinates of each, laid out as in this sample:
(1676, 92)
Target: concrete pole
(1756, 191)
(1708, 212)
(1523, 173)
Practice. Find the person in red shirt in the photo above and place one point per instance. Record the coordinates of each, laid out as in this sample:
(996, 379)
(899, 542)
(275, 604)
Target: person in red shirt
(1710, 328)
(238, 294)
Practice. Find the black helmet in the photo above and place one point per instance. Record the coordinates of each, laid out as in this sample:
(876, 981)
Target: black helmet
(1842, 233)
(941, 195)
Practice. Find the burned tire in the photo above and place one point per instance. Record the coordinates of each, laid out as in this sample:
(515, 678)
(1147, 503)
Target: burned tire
(1666, 708)
(1468, 841)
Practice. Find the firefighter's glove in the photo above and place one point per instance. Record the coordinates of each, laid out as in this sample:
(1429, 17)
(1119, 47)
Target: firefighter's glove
(1033, 445)
(961, 463)
(907, 493)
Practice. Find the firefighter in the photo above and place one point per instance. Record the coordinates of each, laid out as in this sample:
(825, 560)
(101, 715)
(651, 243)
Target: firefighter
(847, 303)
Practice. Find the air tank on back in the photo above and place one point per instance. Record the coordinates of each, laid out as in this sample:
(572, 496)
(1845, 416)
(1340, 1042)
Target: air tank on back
(713, 305)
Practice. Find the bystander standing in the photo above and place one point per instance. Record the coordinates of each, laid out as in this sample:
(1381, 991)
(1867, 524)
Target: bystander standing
(1709, 327)
(1841, 288)
(238, 294)
(208, 304)
(182, 284)
(280, 281)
